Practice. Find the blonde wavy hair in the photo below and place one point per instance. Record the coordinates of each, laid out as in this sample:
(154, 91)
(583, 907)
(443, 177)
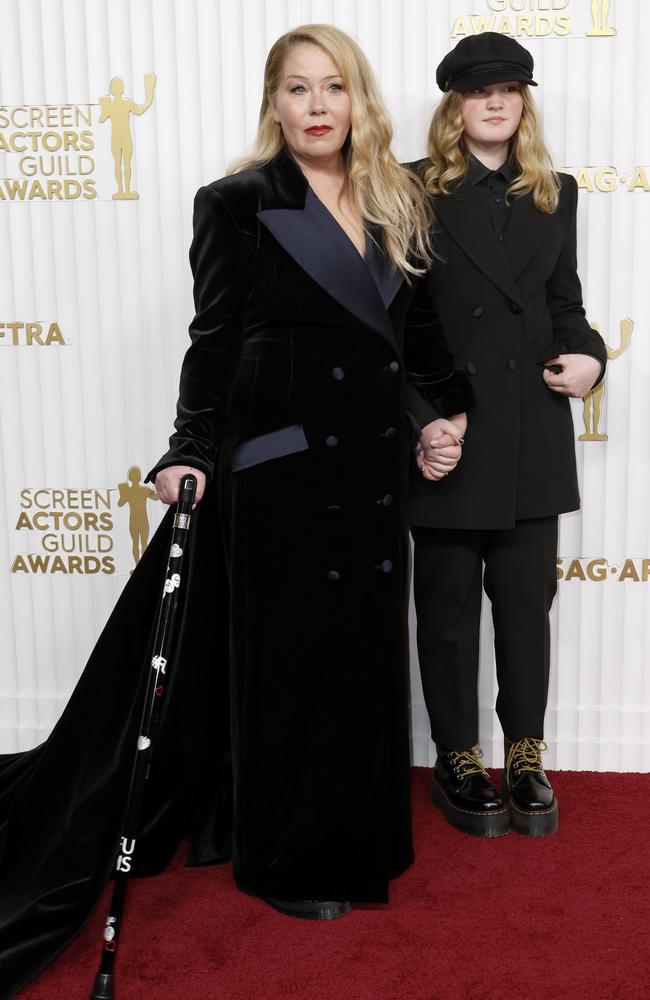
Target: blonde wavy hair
(450, 158)
(386, 194)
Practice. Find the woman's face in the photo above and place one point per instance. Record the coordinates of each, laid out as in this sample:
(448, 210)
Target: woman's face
(312, 105)
(491, 115)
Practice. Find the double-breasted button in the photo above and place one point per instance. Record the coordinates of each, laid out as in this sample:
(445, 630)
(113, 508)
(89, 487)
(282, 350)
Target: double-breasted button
(333, 575)
(394, 367)
(338, 374)
(390, 433)
(387, 501)
(477, 312)
(515, 308)
(334, 508)
(331, 441)
(386, 566)
(471, 368)
(513, 364)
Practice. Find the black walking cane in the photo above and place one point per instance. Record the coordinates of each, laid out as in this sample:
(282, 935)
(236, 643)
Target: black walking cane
(158, 680)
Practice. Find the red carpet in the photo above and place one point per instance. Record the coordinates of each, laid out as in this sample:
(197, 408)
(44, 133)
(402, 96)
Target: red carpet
(507, 919)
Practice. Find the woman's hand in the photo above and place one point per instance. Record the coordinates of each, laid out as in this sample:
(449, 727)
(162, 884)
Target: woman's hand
(168, 482)
(440, 446)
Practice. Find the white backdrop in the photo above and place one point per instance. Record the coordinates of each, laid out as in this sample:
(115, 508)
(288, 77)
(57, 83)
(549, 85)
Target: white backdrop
(95, 298)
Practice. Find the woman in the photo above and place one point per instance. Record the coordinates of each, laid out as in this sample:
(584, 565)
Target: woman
(293, 400)
(509, 300)
(294, 394)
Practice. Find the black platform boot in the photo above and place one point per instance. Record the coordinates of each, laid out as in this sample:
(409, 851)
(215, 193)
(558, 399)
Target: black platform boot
(533, 807)
(461, 788)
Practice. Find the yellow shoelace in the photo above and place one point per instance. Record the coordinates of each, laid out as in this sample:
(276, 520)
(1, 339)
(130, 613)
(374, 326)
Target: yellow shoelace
(468, 761)
(525, 755)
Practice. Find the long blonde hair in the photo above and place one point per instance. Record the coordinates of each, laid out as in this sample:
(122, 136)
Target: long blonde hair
(450, 159)
(385, 193)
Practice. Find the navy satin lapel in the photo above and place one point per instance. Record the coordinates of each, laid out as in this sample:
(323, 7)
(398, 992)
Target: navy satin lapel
(466, 219)
(318, 244)
(386, 277)
(527, 228)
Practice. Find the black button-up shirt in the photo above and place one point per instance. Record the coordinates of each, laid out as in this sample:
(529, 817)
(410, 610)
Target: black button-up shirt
(491, 186)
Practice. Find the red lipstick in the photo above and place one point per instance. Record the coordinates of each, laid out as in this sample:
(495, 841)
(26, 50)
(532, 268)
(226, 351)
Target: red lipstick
(318, 130)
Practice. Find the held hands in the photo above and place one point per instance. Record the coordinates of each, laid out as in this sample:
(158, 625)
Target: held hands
(440, 446)
(168, 482)
(579, 372)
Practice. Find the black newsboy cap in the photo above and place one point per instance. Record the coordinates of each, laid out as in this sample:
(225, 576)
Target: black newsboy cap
(479, 60)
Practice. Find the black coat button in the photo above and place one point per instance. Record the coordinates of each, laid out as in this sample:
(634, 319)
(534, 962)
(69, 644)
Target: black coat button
(513, 364)
(515, 308)
(387, 501)
(394, 366)
(471, 368)
(390, 432)
(387, 566)
(331, 441)
(477, 312)
(334, 509)
(338, 374)
(500, 239)
(333, 575)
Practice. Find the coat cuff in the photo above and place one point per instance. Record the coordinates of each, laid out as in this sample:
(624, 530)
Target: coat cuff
(579, 346)
(446, 394)
(174, 457)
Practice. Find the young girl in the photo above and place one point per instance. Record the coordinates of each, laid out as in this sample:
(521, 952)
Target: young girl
(509, 300)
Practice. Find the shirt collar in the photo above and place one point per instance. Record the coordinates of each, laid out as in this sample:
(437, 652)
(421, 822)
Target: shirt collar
(478, 171)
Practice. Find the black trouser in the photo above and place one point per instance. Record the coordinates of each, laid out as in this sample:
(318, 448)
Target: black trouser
(520, 580)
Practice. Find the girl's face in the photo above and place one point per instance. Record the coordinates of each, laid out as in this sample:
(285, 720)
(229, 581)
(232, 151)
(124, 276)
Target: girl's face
(312, 105)
(491, 115)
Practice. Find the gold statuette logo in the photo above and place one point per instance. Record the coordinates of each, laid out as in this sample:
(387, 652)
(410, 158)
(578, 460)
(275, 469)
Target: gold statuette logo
(118, 109)
(600, 16)
(593, 401)
(51, 152)
(135, 494)
(68, 531)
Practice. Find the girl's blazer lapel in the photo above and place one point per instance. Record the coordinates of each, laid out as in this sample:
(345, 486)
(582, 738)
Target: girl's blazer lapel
(466, 220)
(525, 232)
(319, 246)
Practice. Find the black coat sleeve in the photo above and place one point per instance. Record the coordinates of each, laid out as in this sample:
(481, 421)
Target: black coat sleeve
(435, 388)
(572, 333)
(220, 259)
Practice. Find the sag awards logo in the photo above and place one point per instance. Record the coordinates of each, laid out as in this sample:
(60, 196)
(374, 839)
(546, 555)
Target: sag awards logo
(538, 19)
(64, 152)
(609, 179)
(71, 531)
(598, 570)
(18, 334)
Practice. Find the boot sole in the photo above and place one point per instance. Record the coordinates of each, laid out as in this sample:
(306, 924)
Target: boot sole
(534, 822)
(531, 822)
(476, 823)
(308, 909)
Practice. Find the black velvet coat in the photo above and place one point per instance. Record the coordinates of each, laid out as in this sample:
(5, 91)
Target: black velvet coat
(295, 388)
(507, 305)
(293, 399)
